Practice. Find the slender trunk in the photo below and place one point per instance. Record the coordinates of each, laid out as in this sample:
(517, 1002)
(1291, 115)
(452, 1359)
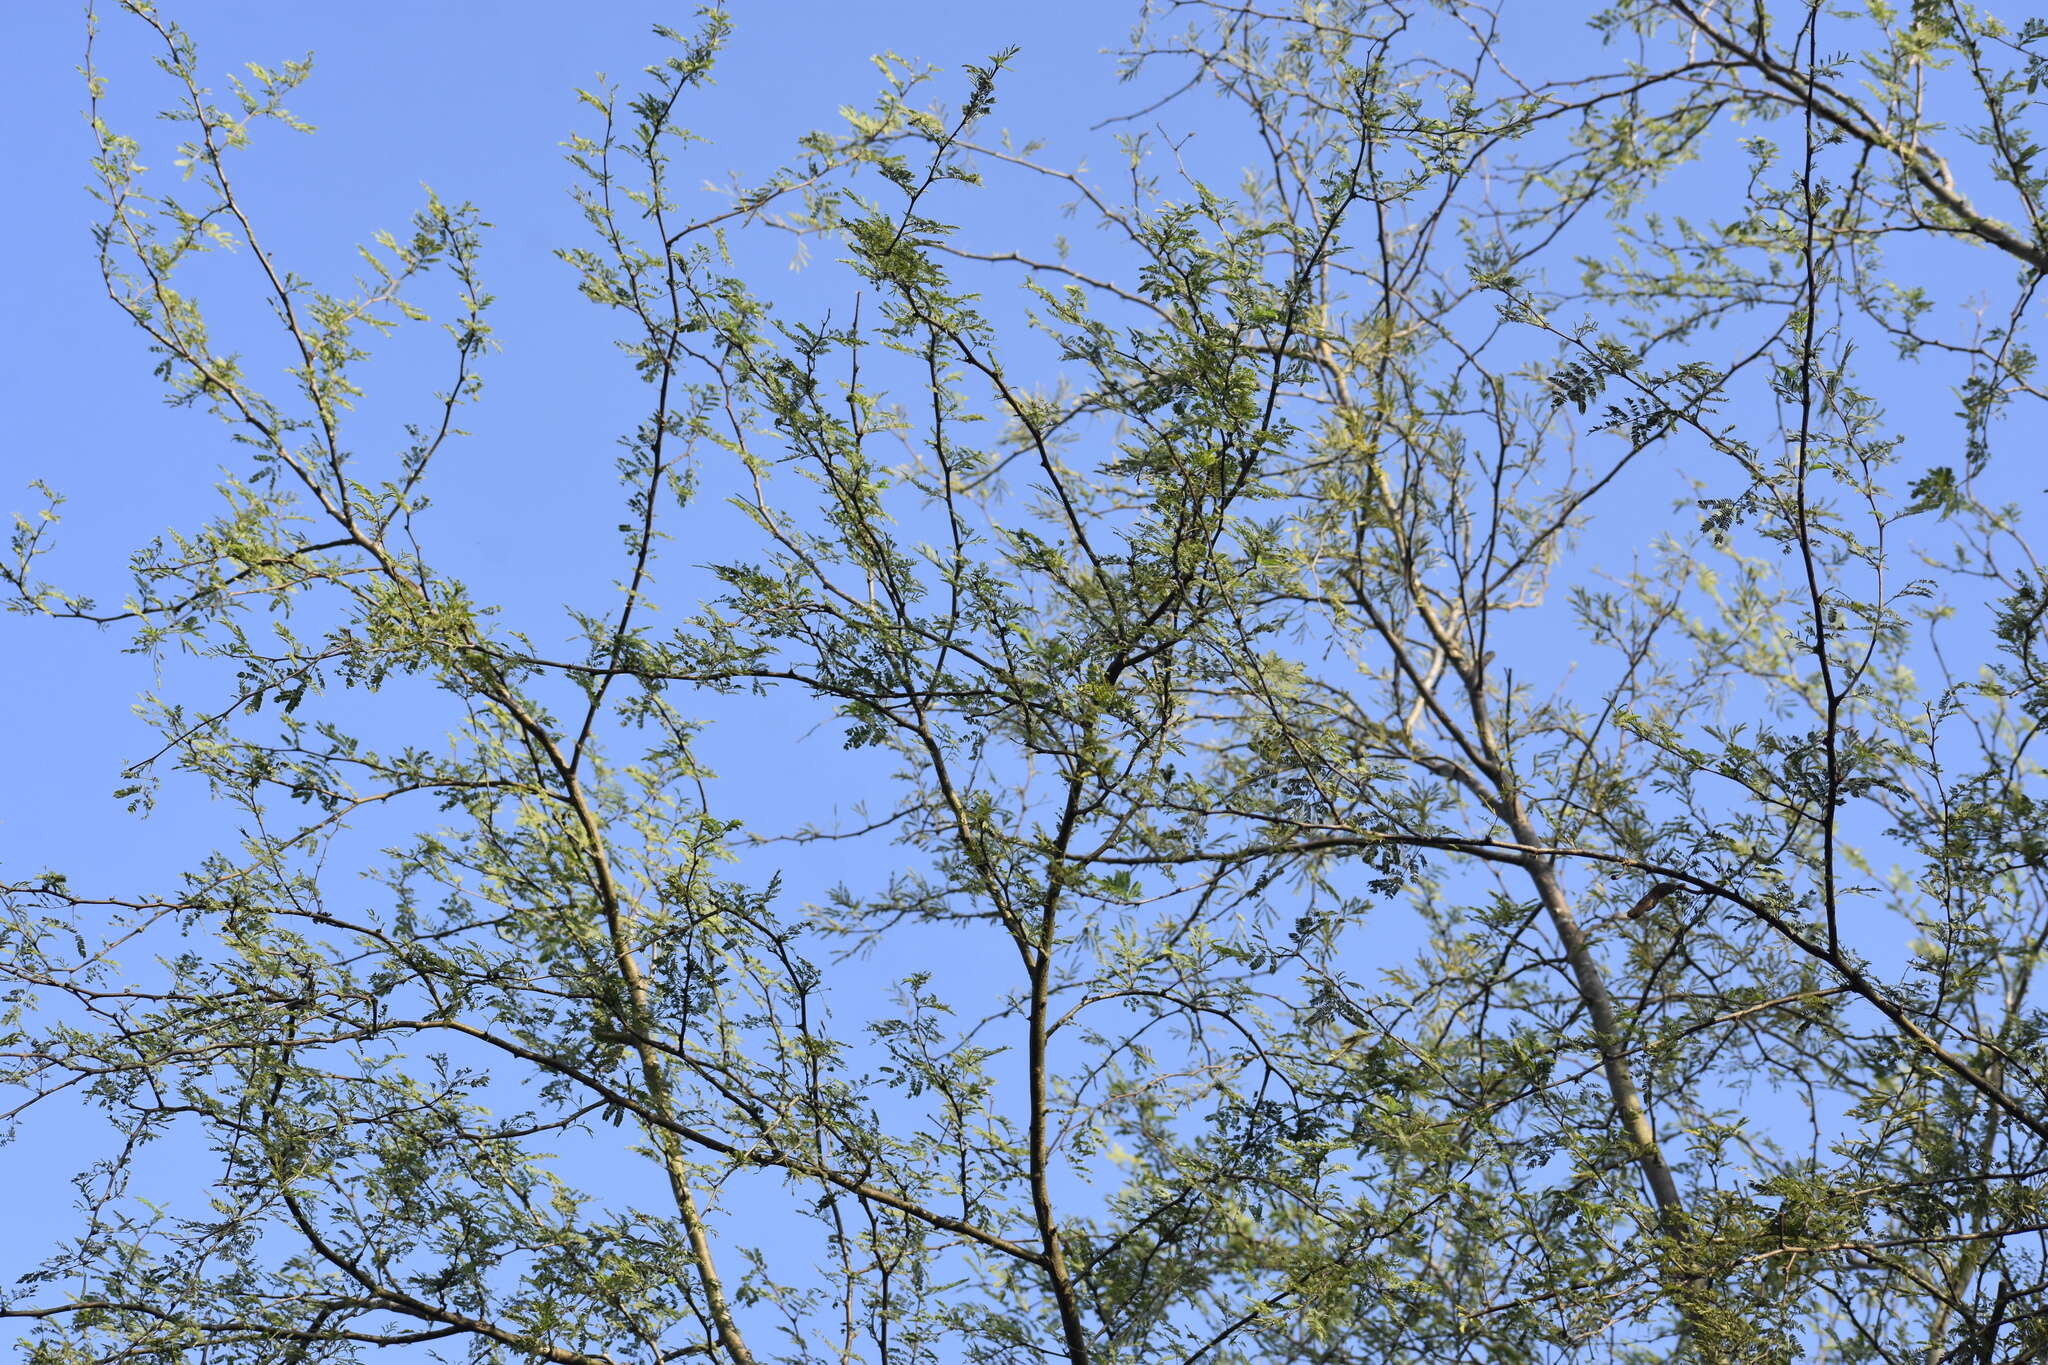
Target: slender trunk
(1068, 1302)
(1607, 1036)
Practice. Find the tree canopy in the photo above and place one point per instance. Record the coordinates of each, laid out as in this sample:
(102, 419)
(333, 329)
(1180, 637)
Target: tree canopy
(1445, 691)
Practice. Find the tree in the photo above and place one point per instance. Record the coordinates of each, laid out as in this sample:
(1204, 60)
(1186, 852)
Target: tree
(1476, 532)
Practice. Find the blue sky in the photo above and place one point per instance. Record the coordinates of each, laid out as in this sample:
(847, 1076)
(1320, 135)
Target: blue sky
(474, 100)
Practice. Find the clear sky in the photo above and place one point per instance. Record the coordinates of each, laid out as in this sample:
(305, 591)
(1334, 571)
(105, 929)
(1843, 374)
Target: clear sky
(474, 100)
(472, 97)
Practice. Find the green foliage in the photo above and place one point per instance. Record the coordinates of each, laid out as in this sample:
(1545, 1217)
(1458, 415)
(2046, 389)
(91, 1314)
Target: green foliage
(1295, 951)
